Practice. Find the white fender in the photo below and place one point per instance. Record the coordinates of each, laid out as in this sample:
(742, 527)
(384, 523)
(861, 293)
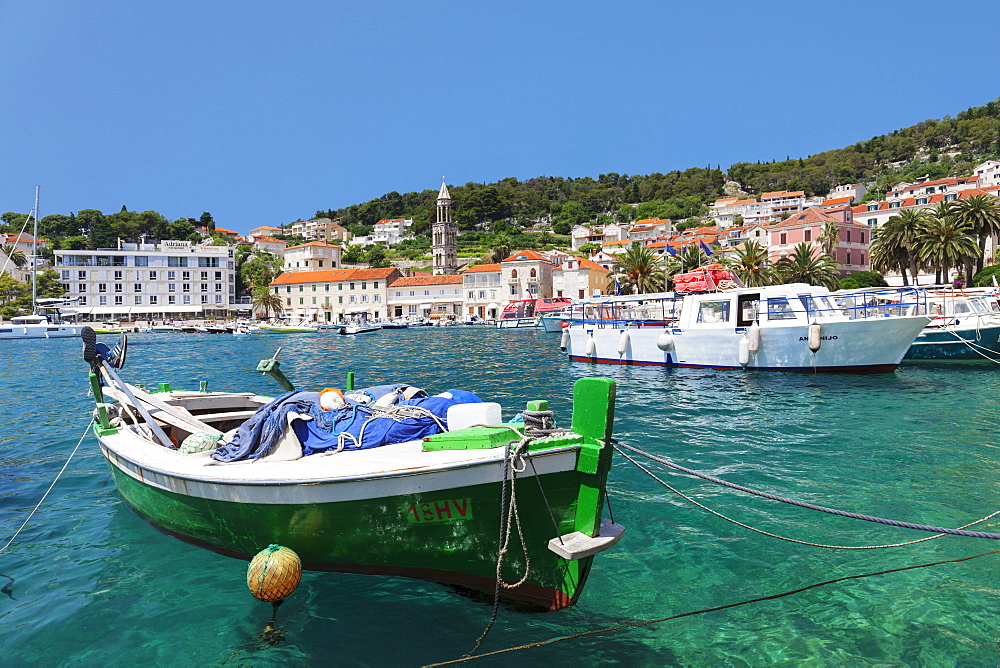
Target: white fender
(753, 337)
(665, 341)
(623, 343)
(744, 351)
(815, 332)
(591, 346)
(564, 342)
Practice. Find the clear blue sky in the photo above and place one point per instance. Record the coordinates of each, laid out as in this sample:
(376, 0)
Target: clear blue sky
(263, 113)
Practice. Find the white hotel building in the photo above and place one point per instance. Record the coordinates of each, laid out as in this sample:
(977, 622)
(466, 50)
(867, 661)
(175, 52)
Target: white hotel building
(170, 279)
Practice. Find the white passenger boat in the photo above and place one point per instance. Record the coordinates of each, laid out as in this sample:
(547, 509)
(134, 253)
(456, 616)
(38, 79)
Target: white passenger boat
(794, 327)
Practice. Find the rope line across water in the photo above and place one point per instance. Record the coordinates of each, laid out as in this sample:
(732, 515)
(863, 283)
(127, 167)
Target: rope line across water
(701, 612)
(786, 538)
(810, 506)
(58, 475)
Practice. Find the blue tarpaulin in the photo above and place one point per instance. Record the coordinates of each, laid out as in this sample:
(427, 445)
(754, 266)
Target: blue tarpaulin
(362, 424)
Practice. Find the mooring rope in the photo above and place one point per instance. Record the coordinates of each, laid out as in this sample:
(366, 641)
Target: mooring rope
(811, 506)
(508, 511)
(58, 475)
(976, 348)
(771, 597)
(785, 538)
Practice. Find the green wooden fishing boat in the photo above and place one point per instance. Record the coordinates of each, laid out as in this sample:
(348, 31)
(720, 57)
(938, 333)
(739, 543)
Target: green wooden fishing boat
(435, 509)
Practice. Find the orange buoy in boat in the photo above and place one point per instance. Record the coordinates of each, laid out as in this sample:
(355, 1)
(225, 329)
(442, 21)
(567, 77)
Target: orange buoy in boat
(274, 573)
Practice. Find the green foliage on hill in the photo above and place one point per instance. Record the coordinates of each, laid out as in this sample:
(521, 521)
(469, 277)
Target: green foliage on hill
(938, 148)
(559, 202)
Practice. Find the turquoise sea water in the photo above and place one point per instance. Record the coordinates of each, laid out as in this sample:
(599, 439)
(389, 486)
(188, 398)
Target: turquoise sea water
(96, 586)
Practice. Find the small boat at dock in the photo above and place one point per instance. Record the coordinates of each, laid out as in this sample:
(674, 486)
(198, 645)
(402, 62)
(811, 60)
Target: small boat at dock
(359, 328)
(284, 328)
(386, 480)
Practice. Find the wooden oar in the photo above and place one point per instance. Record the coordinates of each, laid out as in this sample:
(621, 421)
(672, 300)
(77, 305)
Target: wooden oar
(110, 374)
(170, 414)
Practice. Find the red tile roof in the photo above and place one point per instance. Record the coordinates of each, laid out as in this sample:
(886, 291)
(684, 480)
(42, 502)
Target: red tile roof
(587, 264)
(482, 268)
(812, 216)
(526, 255)
(295, 277)
(440, 279)
(363, 274)
(314, 276)
(311, 243)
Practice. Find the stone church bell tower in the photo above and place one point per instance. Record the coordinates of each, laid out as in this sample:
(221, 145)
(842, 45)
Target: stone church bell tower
(444, 235)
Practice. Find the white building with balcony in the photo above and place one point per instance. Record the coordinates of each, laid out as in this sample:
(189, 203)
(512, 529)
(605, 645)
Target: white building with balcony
(150, 281)
(483, 293)
(390, 231)
(312, 256)
(426, 296)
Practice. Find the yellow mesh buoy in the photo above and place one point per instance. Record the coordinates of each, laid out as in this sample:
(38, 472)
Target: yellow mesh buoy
(274, 573)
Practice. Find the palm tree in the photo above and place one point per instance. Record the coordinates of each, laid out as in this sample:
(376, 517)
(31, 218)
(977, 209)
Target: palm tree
(690, 257)
(266, 301)
(982, 214)
(945, 243)
(896, 241)
(888, 254)
(829, 238)
(638, 270)
(803, 266)
(752, 264)
(501, 247)
(16, 256)
(941, 211)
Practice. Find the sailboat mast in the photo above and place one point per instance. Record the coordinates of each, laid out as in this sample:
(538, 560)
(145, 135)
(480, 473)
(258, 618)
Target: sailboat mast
(34, 259)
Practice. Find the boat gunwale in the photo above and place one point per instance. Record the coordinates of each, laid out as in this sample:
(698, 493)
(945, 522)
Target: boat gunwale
(241, 482)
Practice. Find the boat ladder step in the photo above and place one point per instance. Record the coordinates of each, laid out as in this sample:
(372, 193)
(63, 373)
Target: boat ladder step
(577, 545)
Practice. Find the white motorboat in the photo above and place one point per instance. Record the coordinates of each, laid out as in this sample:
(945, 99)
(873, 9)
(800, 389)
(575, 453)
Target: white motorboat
(793, 327)
(359, 328)
(282, 328)
(38, 326)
